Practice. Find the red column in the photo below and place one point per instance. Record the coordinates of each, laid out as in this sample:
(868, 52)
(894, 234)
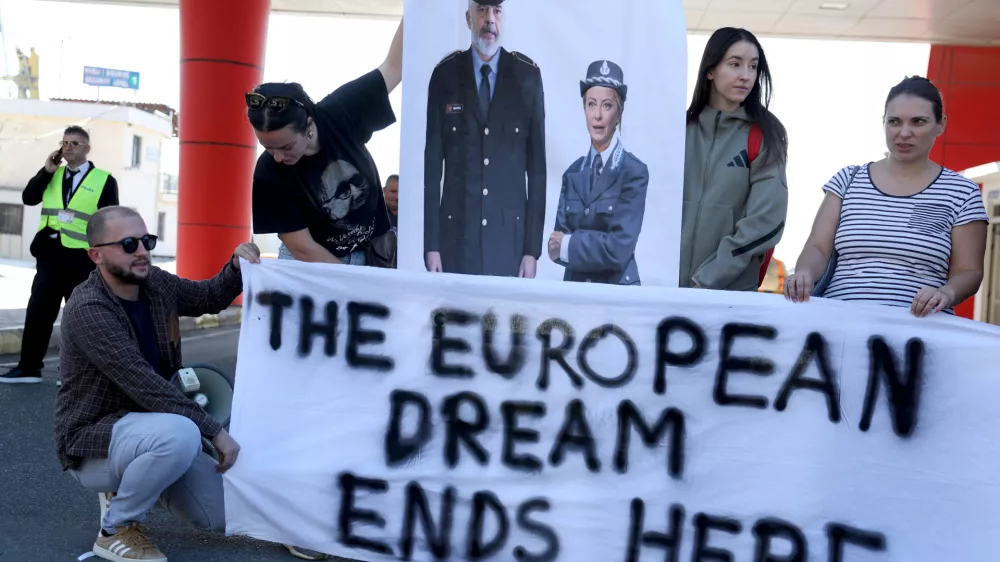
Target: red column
(222, 57)
(969, 80)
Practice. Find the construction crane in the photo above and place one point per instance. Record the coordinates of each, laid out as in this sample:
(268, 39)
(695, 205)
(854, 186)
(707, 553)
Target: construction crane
(26, 79)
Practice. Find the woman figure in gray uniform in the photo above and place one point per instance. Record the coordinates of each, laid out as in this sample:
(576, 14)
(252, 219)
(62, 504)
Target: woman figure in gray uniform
(603, 195)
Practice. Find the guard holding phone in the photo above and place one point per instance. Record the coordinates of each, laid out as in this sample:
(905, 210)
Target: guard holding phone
(70, 194)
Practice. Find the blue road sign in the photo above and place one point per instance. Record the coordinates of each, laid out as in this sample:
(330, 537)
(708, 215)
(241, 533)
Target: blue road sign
(95, 76)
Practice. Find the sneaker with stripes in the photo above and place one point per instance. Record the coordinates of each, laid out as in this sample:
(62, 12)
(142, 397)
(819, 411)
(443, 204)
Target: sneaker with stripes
(126, 545)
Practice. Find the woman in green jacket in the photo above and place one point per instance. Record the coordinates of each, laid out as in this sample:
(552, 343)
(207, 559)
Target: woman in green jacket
(735, 192)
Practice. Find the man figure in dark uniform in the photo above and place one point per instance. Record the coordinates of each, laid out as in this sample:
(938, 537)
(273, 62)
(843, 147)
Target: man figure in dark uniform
(486, 129)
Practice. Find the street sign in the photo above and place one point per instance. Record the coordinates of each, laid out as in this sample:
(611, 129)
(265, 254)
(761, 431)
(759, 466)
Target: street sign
(95, 76)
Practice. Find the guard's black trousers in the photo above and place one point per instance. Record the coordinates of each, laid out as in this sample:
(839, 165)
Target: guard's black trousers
(58, 271)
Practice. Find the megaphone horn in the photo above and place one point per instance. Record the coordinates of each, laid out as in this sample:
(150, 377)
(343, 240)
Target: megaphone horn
(208, 387)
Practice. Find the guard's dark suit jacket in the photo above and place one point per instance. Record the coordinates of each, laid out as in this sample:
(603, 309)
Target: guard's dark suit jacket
(605, 220)
(490, 211)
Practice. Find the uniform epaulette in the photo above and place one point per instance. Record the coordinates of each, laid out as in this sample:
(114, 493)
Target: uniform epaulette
(448, 57)
(523, 58)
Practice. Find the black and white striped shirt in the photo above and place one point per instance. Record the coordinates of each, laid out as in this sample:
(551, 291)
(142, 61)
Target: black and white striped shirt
(892, 246)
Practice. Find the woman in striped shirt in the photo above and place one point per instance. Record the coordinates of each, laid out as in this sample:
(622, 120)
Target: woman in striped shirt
(911, 233)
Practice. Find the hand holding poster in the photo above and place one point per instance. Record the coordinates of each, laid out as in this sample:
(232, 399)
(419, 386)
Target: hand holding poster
(385, 415)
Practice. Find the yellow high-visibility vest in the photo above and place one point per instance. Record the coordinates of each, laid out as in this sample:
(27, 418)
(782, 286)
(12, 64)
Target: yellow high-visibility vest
(70, 221)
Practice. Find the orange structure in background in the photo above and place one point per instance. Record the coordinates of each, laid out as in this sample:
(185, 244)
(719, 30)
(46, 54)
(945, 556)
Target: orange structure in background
(774, 279)
(969, 79)
(222, 57)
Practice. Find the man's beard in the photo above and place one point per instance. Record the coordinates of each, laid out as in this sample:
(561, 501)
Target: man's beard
(123, 275)
(486, 49)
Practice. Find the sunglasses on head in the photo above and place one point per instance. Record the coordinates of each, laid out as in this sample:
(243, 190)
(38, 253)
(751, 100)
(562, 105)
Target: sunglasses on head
(257, 102)
(131, 244)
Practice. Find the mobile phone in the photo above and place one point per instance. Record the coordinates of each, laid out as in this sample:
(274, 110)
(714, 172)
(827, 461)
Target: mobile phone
(57, 157)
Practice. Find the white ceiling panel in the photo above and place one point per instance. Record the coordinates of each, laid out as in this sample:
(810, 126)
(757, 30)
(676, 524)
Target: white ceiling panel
(857, 8)
(919, 9)
(750, 6)
(758, 22)
(966, 22)
(901, 29)
(693, 18)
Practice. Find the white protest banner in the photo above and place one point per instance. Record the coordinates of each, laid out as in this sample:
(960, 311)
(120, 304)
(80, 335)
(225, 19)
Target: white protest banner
(386, 415)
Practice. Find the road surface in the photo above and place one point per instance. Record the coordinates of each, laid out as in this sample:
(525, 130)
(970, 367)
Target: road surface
(45, 516)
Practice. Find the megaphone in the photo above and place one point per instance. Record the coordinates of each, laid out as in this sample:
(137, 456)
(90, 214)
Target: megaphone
(211, 389)
(208, 387)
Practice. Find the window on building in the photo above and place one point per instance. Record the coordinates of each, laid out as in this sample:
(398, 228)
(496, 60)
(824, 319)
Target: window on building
(161, 226)
(11, 218)
(169, 183)
(136, 151)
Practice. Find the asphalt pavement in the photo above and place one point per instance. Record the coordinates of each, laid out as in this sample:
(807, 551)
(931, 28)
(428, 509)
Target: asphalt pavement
(45, 516)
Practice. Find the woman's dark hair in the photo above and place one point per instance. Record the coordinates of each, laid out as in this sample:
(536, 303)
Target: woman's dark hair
(267, 119)
(758, 100)
(920, 87)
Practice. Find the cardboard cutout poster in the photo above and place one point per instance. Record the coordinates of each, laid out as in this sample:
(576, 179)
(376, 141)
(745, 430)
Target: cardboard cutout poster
(544, 139)
(469, 418)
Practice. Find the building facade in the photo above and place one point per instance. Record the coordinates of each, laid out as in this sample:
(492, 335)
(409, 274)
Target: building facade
(125, 140)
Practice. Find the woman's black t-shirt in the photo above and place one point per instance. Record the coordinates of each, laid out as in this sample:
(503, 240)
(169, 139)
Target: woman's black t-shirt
(347, 207)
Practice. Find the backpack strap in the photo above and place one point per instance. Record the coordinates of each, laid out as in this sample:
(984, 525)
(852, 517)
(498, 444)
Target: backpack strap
(753, 151)
(755, 142)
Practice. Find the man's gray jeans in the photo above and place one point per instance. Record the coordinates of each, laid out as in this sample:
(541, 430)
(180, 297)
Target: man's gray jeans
(156, 457)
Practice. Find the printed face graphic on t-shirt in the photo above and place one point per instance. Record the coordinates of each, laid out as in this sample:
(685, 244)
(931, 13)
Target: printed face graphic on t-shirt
(344, 189)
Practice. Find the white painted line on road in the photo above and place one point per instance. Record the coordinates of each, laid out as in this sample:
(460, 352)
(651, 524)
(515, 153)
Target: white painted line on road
(54, 359)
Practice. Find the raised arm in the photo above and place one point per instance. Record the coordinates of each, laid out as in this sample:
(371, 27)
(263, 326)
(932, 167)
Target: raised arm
(96, 331)
(392, 67)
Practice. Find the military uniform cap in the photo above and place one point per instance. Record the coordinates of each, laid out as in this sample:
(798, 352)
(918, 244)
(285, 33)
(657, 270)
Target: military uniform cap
(604, 73)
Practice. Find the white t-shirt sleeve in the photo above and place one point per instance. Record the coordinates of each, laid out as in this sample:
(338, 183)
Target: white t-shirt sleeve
(973, 208)
(838, 183)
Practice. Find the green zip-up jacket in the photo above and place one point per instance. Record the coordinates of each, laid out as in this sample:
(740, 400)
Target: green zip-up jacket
(734, 211)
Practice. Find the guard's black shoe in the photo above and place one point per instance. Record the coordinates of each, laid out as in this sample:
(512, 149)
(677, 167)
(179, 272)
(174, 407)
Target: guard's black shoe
(17, 376)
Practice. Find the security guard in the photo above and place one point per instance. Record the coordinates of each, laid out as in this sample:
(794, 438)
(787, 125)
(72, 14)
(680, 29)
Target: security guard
(69, 195)
(486, 128)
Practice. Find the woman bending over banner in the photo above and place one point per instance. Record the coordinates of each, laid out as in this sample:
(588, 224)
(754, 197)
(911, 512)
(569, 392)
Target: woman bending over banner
(317, 186)
(734, 201)
(603, 195)
(903, 231)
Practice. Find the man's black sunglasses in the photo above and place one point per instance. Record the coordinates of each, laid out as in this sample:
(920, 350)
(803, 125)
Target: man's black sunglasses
(131, 244)
(278, 104)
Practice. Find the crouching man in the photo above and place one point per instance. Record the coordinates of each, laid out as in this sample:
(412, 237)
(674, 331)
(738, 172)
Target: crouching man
(120, 425)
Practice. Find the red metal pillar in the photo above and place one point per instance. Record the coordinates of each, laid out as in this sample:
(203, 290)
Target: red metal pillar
(222, 57)
(969, 80)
